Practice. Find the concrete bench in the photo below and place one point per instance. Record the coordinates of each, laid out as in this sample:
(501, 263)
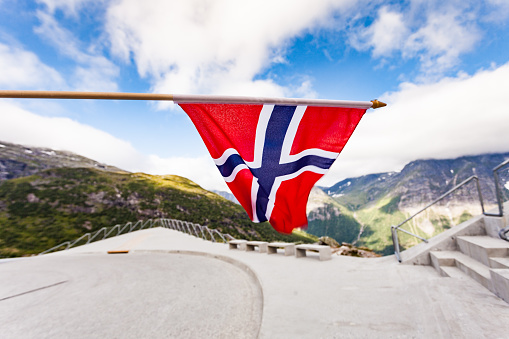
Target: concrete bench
(237, 244)
(262, 246)
(288, 247)
(324, 251)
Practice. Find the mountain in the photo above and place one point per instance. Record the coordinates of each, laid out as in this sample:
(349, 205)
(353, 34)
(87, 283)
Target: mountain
(329, 218)
(45, 201)
(421, 180)
(377, 201)
(20, 161)
(227, 196)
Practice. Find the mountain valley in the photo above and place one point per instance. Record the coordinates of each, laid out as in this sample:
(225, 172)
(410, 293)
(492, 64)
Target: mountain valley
(361, 210)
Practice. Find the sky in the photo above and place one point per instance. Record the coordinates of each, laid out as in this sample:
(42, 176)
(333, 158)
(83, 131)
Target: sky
(442, 66)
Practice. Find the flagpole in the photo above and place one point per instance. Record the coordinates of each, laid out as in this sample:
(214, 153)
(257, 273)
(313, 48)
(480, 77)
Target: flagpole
(84, 95)
(178, 98)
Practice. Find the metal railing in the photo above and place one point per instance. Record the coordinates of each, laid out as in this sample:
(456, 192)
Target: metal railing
(498, 190)
(500, 199)
(182, 226)
(395, 229)
(196, 230)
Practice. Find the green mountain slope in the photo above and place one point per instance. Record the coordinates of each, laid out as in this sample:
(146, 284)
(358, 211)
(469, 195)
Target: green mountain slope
(377, 201)
(56, 205)
(327, 217)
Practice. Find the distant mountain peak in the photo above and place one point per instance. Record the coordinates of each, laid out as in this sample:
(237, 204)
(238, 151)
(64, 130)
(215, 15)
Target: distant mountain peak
(20, 160)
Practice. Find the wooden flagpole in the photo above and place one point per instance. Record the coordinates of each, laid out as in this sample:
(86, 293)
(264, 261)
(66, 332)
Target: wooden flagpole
(177, 98)
(84, 95)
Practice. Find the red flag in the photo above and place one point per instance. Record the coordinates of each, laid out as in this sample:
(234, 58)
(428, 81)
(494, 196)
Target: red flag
(271, 155)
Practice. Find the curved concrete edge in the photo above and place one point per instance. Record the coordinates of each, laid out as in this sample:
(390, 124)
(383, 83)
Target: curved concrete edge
(245, 268)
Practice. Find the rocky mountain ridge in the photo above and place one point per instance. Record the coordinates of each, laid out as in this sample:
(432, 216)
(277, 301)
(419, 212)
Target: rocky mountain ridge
(18, 161)
(421, 181)
(361, 210)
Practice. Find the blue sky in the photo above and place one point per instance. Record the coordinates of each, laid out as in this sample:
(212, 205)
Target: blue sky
(442, 66)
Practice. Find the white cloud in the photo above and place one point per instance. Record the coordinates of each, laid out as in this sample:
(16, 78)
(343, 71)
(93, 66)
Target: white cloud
(385, 35)
(215, 47)
(437, 33)
(23, 69)
(453, 117)
(18, 125)
(441, 41)
(499, 11)
(23, 127)
(458, 116)
(93, 71)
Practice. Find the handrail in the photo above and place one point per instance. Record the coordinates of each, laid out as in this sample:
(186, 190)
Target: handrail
(123, 228)
(500, 199)
(68, 243)
(503, 233)
(86, 235)
(97, 233)
(210, 234)
(117, 226)
(395, 229)
(178, 225)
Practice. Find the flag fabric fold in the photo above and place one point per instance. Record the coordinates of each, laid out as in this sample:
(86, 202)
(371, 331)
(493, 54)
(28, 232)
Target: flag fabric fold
(272, 155)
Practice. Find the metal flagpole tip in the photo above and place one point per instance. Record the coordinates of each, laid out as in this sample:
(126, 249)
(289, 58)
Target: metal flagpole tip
(378, 104)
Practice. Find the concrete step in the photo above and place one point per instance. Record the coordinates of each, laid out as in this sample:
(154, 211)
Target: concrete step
(500, 281)
(441, 259)
(470, 266)
(482, 248)
(453, 272)
(499, 262)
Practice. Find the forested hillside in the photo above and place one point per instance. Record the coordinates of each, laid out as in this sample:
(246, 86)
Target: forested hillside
(59, 204)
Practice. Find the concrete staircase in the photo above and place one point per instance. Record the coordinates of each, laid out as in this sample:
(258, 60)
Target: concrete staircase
(480, 257)
(470, 250)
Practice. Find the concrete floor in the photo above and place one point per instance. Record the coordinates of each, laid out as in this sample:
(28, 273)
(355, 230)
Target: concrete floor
(173, 285)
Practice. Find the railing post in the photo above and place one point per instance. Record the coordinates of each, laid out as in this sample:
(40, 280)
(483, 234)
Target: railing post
(194, 229)
(202, 234)
(97, 233)
(498, 192)
(120, 230)
(210, 233)
(503, 233)
(133, 227)
(220, 235)
(479, 192)
(395, 242)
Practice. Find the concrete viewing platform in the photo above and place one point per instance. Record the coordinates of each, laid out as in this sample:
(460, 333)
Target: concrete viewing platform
(160, 283)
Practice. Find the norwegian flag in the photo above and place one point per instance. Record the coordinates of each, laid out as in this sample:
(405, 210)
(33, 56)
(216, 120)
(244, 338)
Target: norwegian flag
(271, 155)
